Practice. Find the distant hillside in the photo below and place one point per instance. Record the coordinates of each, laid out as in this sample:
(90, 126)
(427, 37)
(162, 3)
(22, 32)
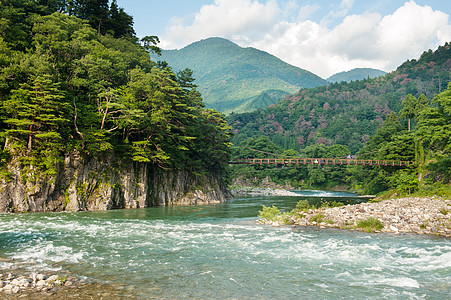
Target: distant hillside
(236, 79)
(345, 113)
(356, 74)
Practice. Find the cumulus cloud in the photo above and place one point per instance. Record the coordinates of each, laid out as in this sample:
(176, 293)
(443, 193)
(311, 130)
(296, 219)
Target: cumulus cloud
(226, 18)
(363, 40)
(366, 40)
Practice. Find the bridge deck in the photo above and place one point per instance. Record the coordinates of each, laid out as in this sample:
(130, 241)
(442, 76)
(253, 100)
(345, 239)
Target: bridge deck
(318, 161)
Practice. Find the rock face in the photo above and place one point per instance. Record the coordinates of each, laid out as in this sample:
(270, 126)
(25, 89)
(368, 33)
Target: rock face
(90, 184)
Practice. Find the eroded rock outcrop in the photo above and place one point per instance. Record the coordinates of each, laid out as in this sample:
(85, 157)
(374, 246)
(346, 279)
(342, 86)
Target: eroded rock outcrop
(91, 184)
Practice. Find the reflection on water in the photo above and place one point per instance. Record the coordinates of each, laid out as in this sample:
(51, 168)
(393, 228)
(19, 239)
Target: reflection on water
(217, 251)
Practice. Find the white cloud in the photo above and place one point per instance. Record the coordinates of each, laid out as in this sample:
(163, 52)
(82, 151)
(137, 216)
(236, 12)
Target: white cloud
(347, 4)
(410, 30)
(225, 18)
(307, 10)
(364, 40)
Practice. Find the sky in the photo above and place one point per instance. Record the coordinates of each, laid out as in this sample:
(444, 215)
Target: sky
(322, 36)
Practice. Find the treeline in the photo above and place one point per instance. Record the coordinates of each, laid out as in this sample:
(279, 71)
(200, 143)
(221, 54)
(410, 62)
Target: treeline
(71, 81)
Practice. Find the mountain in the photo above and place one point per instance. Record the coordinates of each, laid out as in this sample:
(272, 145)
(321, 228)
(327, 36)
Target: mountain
(345, 113)
(236, 79)
(356, 74)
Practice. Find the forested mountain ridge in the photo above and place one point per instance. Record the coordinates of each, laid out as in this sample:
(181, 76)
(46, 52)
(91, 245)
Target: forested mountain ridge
(75, 97)
(356, 74)
(237, 79)
(345, 113)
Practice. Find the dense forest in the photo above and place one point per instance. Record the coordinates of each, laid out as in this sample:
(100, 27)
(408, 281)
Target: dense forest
(348, 118)
(75, 78)
(344, 113)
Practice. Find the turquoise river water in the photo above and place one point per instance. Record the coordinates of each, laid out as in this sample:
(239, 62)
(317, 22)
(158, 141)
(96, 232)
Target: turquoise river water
(218, 252)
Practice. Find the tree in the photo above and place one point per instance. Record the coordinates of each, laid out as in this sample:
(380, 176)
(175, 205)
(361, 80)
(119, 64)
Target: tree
(95, 11)
(37, 115)
(119, 23)
(185, 79)
(408, 110)
(150, 43)
(434, 130)
(411, 107)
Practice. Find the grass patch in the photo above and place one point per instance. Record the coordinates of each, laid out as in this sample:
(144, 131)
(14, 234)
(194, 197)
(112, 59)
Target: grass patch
(370, 225)
(436, 189)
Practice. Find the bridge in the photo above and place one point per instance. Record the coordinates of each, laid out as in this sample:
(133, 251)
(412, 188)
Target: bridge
(319, 161)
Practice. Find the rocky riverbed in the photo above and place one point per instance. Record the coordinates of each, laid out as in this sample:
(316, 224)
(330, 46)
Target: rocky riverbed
(28, 284)
(254, 191)
(426, 215)
(20, 284)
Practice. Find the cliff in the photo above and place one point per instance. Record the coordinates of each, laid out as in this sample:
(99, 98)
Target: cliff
(90, 184)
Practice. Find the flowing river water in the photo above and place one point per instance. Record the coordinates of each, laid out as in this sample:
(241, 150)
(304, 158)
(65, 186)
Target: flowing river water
(218, 252)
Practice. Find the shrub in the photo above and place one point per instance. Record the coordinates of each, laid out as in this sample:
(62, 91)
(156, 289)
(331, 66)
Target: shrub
(269, 213)
(370, 225)
(285, 218)
(302, 205)
(318, 218)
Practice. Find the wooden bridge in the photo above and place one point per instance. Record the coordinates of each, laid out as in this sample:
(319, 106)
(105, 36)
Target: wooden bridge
(319, 161)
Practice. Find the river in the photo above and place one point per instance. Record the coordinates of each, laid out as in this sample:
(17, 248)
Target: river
(218, 252)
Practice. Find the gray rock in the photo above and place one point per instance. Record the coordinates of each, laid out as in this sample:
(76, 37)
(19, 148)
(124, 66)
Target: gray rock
(52, 279)
(15, 289)
(41, 283)
(41, 277)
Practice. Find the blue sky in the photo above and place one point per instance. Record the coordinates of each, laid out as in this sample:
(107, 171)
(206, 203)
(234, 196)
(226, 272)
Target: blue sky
(324, 37)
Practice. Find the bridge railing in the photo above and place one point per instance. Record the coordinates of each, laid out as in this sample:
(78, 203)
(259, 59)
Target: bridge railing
(319, 161)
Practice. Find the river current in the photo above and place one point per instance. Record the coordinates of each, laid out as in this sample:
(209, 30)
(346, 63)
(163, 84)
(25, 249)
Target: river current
(218, 252)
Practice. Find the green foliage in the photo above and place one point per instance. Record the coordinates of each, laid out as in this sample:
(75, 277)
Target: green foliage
(434, 130)
(346, 113)
(77, 89)
(348, 118)
(255, 80)
(269, 213)
(404, 181)
(318, 218)
(370, 225)
(303, 205)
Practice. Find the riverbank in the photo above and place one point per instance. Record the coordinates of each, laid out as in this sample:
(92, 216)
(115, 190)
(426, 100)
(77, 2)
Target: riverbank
(21, 284)
(254, 191)
(426, 215)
